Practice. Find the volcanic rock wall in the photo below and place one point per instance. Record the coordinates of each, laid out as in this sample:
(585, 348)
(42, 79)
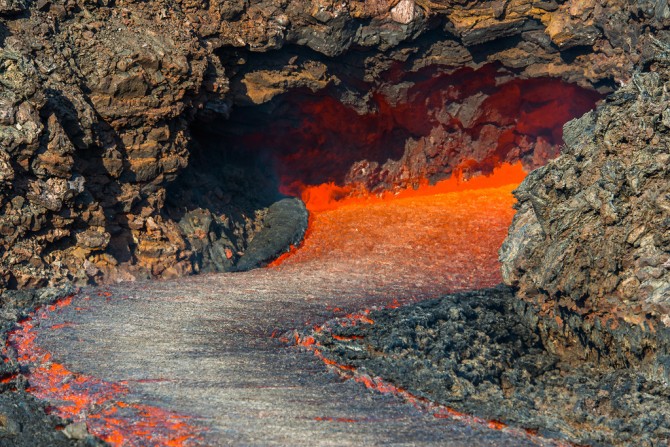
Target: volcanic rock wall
(98, 98)
(591, 238)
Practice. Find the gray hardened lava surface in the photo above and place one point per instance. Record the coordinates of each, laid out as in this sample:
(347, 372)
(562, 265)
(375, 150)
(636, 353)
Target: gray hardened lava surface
(212, 357)
(478, 352)
(202, 347)
(145, 140)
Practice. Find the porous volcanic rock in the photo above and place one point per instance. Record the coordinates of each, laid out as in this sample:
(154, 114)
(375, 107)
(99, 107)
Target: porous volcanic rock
(98, 102)
(590, 238)
(105, 173)
(283, 226)
(482, 352)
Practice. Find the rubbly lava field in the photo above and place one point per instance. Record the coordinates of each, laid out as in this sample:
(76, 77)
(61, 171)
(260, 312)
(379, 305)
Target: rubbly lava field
(367, 222)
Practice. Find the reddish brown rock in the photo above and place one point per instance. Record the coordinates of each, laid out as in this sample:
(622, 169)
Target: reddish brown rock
(99, 103)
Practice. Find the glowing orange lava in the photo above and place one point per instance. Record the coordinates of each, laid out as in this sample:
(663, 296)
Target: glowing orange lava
(334, 211)
(99, 403)
(475, 119)
(451, 230)
(380, 385)
(328, 196)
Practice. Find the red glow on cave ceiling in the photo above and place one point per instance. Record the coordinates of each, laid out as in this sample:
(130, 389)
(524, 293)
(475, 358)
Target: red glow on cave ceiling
(329, 195)
(470, 121)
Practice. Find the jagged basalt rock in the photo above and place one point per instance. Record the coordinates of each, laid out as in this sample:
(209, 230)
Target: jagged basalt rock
(283, 226)
(99, 101)
(484, 353)
(123, 155)
(589, 245)
(602, 201)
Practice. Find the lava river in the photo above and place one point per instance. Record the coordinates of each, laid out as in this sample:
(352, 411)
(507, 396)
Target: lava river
(201, 361)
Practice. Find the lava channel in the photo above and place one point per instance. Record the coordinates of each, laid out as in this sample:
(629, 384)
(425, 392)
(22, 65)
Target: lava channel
(474, 214)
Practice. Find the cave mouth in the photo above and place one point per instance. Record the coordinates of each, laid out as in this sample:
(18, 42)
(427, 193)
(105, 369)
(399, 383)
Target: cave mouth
(243, 170)
(323, 146)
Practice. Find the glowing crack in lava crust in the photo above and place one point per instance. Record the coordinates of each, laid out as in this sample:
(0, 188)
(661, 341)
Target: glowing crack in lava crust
(101, 404)
(405, 246)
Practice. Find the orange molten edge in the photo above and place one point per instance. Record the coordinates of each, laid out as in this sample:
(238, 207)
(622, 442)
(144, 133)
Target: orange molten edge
(451, 229)
(336, 220)
(99, 403)
(329, 196)
(479, 208)
(380, 385)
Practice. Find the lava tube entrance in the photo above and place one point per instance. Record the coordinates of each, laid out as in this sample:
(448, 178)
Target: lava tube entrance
(409, 200)
(432, 133)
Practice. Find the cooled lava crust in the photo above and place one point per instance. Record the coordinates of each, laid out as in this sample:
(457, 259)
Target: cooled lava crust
(480, 353)
(120, 140)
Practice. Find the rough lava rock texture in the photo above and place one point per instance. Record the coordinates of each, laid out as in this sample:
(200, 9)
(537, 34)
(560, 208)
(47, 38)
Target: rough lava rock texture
(283, 226)
(591, 236)
(424, 129)
(99, 99)
(482, 352)
(110, 113)
(24, 421)
(596, 219)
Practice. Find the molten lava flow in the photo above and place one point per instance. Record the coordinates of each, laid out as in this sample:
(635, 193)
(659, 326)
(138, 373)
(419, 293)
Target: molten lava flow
(99, 403)
(330, 196)
(428, 241)
(357, 223)
(439, 228)
(335, 212)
